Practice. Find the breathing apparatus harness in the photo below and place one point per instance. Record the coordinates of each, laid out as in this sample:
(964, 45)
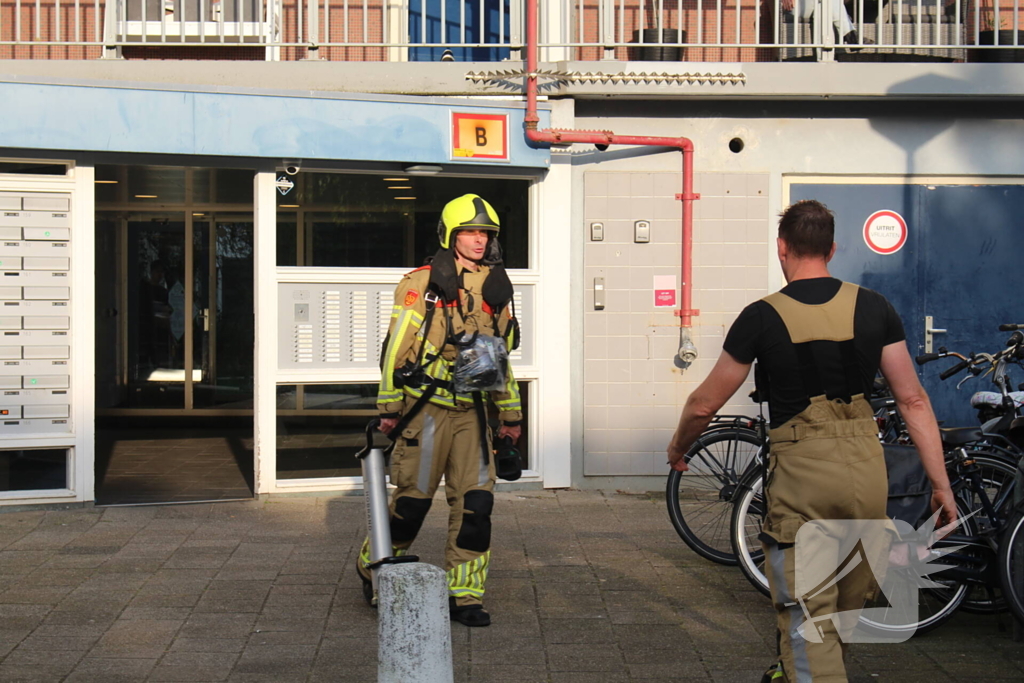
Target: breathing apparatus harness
(443, 290)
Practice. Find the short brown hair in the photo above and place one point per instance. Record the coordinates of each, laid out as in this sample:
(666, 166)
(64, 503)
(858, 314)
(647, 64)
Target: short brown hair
(808, 228)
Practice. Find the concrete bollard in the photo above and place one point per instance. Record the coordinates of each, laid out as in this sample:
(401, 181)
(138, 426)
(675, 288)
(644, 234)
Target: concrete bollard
(413, 627)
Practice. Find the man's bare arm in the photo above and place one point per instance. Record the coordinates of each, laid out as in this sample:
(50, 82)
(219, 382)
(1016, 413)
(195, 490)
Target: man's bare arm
(725, 378)
(913, 404)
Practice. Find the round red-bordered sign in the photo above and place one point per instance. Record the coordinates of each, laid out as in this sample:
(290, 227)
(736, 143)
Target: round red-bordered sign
(885, 232)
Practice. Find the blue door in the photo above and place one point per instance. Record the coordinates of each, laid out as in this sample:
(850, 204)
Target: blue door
(958, 265)
(464, 21)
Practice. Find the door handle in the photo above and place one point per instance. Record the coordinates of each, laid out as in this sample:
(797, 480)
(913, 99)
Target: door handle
(205, 313)
(929, 330)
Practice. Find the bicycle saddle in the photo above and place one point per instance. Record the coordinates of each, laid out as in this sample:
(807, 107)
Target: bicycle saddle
(995, 399)
(958, 436)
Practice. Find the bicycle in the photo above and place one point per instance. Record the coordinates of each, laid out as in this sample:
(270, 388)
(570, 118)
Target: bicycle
(731, 449)
(1011, 549)
(1011, 555)
(1002, 428)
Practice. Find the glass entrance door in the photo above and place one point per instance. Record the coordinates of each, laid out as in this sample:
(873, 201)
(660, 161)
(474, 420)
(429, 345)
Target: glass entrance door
(174, 334)
(222, 358)
(183, 309)
(156, 291)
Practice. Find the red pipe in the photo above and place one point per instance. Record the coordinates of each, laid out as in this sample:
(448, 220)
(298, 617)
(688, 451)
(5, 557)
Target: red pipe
(564, 136)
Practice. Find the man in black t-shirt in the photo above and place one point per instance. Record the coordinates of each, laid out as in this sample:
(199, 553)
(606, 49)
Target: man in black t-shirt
(759, 334)
(819, 342)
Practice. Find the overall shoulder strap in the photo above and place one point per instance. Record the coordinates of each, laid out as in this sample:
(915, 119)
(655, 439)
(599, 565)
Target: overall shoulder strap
(832, 321)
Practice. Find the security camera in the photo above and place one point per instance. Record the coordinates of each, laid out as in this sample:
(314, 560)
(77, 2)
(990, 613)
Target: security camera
(292, 167)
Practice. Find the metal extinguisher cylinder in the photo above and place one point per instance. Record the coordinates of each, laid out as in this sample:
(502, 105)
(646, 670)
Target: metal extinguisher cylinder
(378, 523)
(378, 527)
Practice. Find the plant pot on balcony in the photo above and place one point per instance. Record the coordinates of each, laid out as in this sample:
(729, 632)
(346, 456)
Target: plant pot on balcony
(1009, 54)
(662, 45)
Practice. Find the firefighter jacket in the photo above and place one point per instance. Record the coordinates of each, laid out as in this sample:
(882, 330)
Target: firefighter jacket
(409, 344)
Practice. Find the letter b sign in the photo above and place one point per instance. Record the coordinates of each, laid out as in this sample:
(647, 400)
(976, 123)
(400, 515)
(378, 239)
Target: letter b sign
(480, 136)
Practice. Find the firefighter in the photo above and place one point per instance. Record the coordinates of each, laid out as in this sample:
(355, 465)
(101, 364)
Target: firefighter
(819, 342)
(461, 299)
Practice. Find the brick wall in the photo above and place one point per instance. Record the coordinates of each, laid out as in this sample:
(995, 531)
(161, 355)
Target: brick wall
(43, 26)
(338, 26)
(700, 24)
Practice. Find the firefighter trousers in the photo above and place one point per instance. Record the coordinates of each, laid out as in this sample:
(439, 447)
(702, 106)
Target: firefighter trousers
(825, 537)
(444, 442)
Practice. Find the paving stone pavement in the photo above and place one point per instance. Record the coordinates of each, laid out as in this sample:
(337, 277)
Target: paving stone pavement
(584, 586)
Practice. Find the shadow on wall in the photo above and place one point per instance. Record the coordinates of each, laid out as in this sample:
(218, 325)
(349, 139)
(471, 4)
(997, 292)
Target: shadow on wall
(972, 156)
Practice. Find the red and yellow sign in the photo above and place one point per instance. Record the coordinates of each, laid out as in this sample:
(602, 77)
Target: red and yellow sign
(480, 136)
(410, 297)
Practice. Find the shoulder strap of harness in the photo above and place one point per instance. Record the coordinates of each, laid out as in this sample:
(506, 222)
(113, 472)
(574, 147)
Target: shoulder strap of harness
(808, 325)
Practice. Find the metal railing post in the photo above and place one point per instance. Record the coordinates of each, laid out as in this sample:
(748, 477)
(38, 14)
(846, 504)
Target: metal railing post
(825, 31)
(112, 10)
(271, 31)
(606, 22)
(312, 30)
(397, 12)
(515, 30)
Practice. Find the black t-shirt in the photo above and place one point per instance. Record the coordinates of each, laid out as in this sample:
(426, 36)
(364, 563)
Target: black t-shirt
(759, 334)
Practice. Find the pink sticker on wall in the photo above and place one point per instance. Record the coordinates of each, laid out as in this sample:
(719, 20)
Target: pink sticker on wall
(664, 291)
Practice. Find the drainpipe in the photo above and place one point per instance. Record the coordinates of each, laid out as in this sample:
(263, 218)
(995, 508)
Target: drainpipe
(687, 351)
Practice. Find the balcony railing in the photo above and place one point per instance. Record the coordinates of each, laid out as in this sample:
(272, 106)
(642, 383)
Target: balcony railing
(492, 30)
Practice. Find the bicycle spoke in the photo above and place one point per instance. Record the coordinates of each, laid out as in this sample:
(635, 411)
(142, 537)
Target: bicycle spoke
(700, 500)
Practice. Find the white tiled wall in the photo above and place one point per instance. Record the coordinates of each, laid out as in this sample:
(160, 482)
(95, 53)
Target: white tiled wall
(633, 392)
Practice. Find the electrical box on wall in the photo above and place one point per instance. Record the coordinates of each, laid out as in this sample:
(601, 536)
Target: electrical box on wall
(35, 301)
(642, 232)
(597, 232)
(332, 325)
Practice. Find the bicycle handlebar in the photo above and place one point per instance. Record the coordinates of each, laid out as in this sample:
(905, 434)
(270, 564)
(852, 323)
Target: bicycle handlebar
(1013, 352)
(949, 372)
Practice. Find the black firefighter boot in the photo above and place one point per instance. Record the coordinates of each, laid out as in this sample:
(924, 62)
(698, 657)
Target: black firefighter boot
(469, 615)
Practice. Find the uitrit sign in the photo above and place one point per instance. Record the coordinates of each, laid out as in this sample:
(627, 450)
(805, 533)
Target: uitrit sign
(480, 136)
(885, 232)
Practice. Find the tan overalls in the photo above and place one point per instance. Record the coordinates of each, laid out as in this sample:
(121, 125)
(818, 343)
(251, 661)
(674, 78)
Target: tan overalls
(826, 464)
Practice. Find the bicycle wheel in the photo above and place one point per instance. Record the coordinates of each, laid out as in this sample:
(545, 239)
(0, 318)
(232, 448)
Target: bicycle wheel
(997, 477)
(935, 605)
(1011, 565)
(700, 500)
(745, 528)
